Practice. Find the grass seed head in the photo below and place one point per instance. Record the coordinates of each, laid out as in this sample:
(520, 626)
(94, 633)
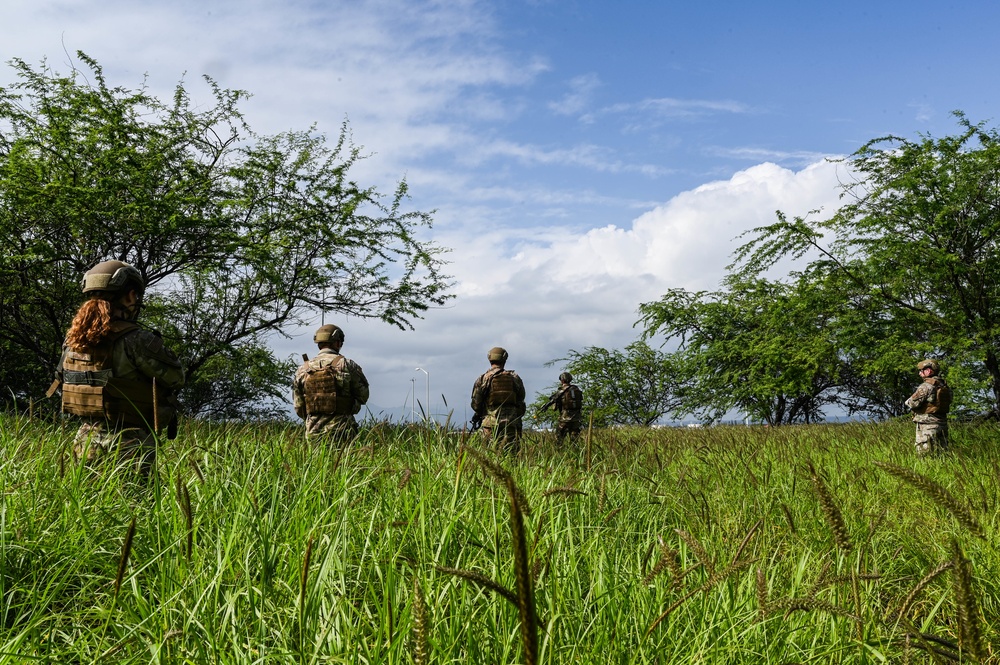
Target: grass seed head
(970, 629)
(762, 594)
(481, 581)
(126, 551)
(921, 585)
(421, 626)
(938, 494)
(698, 551)
(834, 518)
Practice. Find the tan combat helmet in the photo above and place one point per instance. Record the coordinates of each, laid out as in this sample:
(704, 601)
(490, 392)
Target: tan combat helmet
(328, 334)
(112, 277)
(929, 362)
(497, 354)
(566, 378)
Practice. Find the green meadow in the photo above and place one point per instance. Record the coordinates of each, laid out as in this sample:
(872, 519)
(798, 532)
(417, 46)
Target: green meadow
(798, 544)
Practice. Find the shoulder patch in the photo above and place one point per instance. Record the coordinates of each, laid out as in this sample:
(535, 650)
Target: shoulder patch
(155, 343)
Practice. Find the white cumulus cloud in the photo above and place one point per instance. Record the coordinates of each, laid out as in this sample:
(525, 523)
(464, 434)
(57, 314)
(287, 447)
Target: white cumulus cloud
(542, 294)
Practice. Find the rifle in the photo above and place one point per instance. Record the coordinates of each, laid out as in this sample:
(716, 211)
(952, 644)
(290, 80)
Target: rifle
(477, 422)
(552, 401)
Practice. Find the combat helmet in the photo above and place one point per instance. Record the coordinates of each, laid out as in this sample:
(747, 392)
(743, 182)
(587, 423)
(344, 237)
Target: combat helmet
(497, 354)
(328, 333)
(565, 377)
(112, 277)
(929, 362)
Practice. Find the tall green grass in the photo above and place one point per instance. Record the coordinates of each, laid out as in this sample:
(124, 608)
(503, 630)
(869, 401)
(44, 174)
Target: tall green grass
(818, 544)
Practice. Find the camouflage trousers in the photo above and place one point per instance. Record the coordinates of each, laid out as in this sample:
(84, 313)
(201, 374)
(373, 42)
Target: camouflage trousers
(133, 448)
(333, 430)
(931, 438)
(571, 429)
(505, 436)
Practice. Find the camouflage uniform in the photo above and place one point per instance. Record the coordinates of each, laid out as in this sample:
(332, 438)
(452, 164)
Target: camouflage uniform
(327, 391)
(498, 401)
(930, 404)
(113, 388)
(568, 400)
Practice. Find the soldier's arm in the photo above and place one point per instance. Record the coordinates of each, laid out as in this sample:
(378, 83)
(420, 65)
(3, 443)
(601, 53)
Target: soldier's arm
(298, 397)
(359, 383)
(918, 397)
(520, 393)
(477, 396)
(151, 356)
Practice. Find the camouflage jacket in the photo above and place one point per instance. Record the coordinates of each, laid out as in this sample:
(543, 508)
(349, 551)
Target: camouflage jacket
(931, 401)
(351, 392)
(136, 357)
(489, 406)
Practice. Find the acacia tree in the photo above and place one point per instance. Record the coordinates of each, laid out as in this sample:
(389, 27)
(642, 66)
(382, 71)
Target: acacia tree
(634, 387)
(917, 248)
(762, 348)
(876, 352)
(238, 236)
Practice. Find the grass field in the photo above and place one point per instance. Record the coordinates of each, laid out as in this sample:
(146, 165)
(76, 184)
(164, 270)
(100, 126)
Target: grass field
(813, 544)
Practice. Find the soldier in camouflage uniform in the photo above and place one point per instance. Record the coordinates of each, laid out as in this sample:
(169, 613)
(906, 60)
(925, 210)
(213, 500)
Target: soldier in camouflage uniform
(116, 376)
(930, 404)
(568, 401)
(329, 389)
(498, 403)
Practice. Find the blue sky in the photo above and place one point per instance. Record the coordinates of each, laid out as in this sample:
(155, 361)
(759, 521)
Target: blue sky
(581, 157)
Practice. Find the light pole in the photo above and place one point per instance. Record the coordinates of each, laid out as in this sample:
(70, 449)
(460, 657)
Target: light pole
(428, 404)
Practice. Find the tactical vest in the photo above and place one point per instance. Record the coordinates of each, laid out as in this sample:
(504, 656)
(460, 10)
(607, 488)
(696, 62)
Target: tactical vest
(501, 390)
(327, 388)
(572, 399)
(939, 400)
(91, 390)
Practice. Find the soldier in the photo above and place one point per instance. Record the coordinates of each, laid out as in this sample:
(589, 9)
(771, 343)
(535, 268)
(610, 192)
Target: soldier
(329, 389)
(929, 404)
(116, 376)
(568, 401)
(498, 403)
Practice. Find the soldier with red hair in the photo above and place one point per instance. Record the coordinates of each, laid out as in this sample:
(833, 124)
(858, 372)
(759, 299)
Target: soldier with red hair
(117, 377)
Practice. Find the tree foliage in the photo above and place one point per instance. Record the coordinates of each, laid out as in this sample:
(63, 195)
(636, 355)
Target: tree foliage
(761, 348)
(630, 387)
(239, 236)
(908, 267)
(915, 252)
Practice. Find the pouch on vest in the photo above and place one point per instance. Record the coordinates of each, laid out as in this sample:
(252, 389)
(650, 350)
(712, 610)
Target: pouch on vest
(502, 390)
(571, 399)
(91, 390)
(327, 389)
(941, 400)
